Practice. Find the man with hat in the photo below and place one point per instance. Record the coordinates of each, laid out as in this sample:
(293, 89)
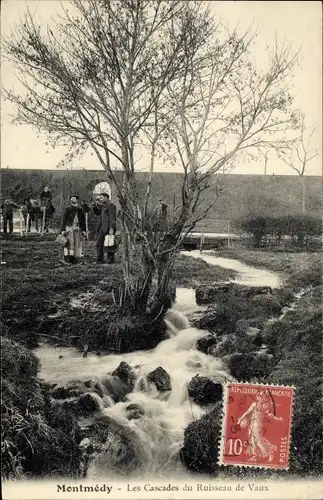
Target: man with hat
(108, 221)
(7, 209)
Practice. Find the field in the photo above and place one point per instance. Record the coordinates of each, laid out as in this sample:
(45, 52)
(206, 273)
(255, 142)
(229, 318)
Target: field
(35, 283)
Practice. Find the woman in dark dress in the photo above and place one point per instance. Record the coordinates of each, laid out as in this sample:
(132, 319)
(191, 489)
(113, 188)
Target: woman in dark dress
(74, 228)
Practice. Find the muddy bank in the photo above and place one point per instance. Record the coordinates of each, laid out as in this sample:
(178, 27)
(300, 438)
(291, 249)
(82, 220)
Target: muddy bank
(38, 291)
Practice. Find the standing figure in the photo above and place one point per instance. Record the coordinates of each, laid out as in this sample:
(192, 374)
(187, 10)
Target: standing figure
(45, 195)
(35, 213)
(47, 211)
(26, 210)
(160, 217)
(73, 227)
(46, 208)
(31, 213)
(254, 417)
(108, 220)
(7, 214)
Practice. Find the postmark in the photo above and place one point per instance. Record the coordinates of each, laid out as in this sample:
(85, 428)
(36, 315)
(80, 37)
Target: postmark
(256, 427)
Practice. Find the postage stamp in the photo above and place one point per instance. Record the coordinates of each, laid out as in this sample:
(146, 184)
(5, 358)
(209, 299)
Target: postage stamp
(256, 425)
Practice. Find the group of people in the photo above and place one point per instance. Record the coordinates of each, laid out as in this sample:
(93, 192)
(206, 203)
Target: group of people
(34, 211)
(74, 230)
(38, 212)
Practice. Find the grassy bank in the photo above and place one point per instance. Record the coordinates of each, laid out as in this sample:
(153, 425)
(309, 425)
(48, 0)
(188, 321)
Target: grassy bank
(294, 343)
(283, 262)
(34, 439)
(297, 269)
(35, 284)
(36, 293)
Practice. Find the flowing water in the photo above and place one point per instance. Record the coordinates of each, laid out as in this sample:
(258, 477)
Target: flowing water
(165, 415)
(158, 434)
(246, 275)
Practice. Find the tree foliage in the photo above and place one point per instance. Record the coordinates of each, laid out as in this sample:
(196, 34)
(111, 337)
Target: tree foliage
(117, 76)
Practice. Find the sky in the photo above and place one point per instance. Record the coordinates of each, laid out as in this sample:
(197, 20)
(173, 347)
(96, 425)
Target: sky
(297, 22)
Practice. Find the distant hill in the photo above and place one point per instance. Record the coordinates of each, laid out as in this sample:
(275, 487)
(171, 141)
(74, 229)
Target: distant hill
(240, 194)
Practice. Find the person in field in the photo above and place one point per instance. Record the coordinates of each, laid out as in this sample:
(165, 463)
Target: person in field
(7, 209)
(108, 220)
(35, 213)
(46, 208)
(31, 207)
(160, 216)
(26, 210)
(45, 196)
(73, 227)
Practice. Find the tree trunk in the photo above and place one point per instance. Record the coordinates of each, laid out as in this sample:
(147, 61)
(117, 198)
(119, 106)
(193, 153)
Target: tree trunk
(140, 259)
(303, 195)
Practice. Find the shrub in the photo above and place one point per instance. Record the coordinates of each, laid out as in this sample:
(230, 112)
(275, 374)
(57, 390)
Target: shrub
(256, 226)
(201, 439)
(309, 277)
(267, 305)
(302, 229)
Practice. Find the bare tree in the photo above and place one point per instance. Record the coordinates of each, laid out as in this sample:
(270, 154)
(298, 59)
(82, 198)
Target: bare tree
(113, 75)
(220, 109)
(299, 154)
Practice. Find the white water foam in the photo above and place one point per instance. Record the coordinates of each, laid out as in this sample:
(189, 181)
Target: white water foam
(165, 415)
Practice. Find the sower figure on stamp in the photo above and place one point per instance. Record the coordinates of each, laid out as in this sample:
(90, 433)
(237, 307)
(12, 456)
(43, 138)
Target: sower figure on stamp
(253, 418)
(73, 227)
(108, 219)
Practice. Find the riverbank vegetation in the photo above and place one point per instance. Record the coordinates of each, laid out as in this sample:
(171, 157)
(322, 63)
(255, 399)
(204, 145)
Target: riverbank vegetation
(35, 440)
(292, 355)
(306, 265)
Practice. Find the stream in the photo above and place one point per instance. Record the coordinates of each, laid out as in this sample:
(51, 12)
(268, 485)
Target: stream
(159, 431)
(246, 275)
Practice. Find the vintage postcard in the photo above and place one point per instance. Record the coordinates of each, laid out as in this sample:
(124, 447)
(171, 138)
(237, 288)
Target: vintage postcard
(161, 250)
